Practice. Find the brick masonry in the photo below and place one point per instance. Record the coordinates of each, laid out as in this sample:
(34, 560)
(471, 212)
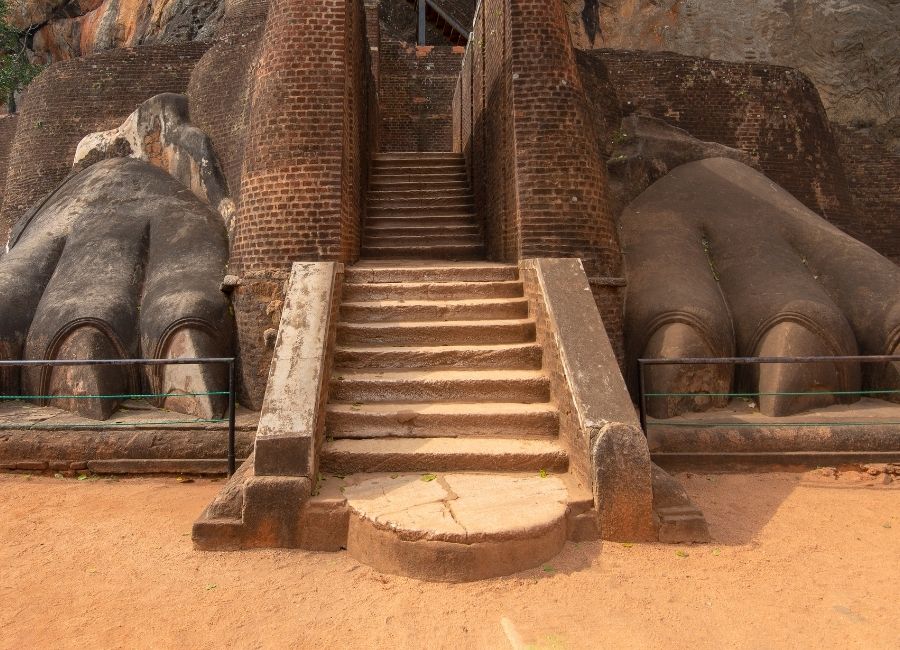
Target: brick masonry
(303, 173)
(72, 98)
(522, 118)
(415, 95)
(873, 172)
(772, 113)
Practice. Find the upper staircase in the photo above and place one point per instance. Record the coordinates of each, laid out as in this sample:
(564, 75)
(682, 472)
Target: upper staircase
(420, 206)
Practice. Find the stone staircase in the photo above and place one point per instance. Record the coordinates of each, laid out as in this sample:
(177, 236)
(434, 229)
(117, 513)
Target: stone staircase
(440, 424)
(427, 382)
(420, 206)
(445, 456)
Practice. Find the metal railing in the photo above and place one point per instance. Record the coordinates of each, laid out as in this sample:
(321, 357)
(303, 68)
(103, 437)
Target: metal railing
(230, 411)
(643, 395)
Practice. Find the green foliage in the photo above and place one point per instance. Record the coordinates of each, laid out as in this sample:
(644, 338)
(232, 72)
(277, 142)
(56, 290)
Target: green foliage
(16, 71)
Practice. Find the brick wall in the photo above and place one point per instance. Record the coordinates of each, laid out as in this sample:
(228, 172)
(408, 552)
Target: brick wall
(771, 112)
(72, 98)
(302, 179)
(873, 172)
(415, 95)
(7, 133)
(524, 122)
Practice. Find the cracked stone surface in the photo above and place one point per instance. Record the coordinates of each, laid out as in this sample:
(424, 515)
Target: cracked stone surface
(461, 508)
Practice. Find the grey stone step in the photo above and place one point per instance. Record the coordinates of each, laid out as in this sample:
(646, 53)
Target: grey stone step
(434, 310)
(438, 175)
(432, 290)
(417, 241)
(416, 169)
(461, 192)
(418, 274)
(455, 209)
(432, 201)
(504, 356)
(476, 420)
(426, 221)
(442, 455)
(406, 184)
(436, 333)
(417, 230)
(440, 252)
(523, 386)
(407, 163)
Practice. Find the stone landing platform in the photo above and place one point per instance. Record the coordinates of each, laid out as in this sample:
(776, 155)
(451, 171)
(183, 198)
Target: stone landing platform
(137, 439)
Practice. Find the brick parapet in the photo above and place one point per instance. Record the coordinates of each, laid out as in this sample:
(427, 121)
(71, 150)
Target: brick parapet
(415, 95)
(873, 172)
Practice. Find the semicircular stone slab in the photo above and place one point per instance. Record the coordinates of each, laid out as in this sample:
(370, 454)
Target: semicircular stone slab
(456, 527)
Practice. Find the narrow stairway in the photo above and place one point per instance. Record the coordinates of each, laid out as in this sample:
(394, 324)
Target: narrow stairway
(420, 207)
(437, 370)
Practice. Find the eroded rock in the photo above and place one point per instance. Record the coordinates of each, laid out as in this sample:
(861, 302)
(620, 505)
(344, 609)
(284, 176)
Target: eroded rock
(849, 48)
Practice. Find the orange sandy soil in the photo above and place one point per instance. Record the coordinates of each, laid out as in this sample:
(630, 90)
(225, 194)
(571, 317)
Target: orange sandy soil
(800, 560)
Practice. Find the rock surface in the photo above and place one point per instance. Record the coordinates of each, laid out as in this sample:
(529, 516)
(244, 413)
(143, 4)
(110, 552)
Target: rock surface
(64, 29)
(849, 48)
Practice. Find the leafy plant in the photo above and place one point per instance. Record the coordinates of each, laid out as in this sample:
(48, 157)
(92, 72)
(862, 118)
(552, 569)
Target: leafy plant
(16, 70)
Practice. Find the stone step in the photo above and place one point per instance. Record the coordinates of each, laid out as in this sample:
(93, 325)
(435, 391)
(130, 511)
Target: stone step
(458, 200)
(432, 290)
(413, 230)
(440, 252)
(418, 155)
(443, 455)
(441, 420)
(429, 195)
(430, 221)
(436, 333)
(380, 164)
(383, 311)
(417, 170)
(445, 209)
(431, 180)
(508, 356)
(405, 184)
(461, 192)
(457, 527)
(522, 386)
(418, 274)
(417, 240)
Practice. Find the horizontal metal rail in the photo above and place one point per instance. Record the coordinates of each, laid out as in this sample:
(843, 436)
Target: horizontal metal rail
(231, 393)
(643, 395)
(753, 360)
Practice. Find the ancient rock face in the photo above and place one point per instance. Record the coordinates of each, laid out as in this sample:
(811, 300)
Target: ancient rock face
(70, 28)
(849, 48)
(723, 262)
(120, 261)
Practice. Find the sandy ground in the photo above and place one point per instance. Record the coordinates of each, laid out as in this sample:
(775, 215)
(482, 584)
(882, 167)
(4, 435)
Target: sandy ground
(800, 560)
